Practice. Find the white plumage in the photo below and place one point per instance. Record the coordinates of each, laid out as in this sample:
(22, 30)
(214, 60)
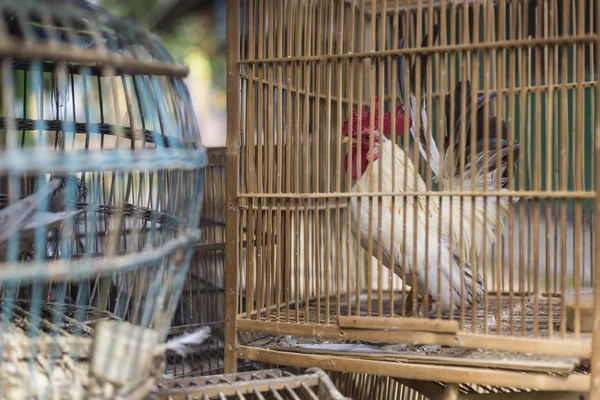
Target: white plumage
(431, 252)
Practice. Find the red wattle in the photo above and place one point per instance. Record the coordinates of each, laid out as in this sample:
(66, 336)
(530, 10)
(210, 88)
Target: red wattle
(351, 158)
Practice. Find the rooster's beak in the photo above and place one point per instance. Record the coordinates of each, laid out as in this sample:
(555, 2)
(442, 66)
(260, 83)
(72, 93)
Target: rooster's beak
(347, 139)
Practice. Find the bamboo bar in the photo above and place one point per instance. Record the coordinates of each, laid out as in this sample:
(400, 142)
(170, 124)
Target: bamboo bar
(378, 323)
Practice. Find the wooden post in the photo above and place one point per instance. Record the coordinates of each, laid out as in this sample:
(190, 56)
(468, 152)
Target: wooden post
(232, 172)
(595, 362)
(451, 392)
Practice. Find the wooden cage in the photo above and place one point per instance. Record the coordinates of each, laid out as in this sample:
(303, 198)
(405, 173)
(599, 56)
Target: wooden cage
(202, 300)
(511, 85)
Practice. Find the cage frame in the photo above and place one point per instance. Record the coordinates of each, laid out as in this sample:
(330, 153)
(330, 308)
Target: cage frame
(584, 348)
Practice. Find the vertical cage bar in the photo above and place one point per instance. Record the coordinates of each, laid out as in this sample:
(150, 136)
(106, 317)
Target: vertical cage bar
(232, 170)
(595, 362)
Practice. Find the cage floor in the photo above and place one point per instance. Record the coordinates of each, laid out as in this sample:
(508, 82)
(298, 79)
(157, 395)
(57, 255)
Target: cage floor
(427, 354)
(524, 316)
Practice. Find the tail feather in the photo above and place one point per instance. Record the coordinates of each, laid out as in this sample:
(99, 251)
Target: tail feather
(488, 216)
(468, 272)
(497, 140)
(454, 120)
(425, 138)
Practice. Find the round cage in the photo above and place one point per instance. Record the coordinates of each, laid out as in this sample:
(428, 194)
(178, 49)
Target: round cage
(101, 180)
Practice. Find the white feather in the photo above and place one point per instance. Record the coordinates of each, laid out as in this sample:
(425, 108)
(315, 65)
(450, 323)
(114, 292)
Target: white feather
(433, 159)
(178, 344)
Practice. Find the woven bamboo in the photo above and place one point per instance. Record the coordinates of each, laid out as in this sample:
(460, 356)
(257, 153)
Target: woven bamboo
(265, 384)
(296, 72)
(101, 166)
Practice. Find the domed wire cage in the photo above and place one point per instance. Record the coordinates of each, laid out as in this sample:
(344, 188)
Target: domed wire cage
(101, 180)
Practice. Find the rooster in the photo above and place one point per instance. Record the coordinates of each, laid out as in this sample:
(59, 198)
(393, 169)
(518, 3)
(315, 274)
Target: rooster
(431, 252)
(410, 214)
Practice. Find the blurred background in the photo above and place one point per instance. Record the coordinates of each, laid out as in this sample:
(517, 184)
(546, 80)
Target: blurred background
(194, 32)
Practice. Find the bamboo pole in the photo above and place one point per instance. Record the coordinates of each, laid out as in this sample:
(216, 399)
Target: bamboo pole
(595, 362)
(232, 171)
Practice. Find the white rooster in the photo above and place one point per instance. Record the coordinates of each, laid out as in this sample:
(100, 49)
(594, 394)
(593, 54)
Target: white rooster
(409, 215)
(430, 255)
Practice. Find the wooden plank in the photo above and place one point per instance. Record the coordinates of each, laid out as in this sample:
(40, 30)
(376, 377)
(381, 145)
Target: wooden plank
(334, 332)
(549, 366)
(551, 347)
(567, 348)
(511, 379)
(399, 323)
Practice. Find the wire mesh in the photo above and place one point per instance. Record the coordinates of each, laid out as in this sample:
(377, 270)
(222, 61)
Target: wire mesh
(101, 179)
(450, 141)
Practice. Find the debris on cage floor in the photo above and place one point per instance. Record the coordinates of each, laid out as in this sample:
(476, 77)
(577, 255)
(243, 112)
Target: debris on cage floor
(523, 323)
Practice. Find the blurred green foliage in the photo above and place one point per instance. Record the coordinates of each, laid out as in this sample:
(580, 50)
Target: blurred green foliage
(198, 32)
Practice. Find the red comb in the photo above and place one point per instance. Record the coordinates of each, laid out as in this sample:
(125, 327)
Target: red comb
(366, 120)
(387, 122)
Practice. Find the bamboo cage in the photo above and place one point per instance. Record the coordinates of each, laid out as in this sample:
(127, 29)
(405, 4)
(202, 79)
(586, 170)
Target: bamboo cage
(365, 386)
(202, 300)
(294, 267)
(271, 384)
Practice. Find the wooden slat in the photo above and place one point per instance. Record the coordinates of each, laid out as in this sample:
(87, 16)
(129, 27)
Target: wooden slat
(231, 389)
(422, 372)
(402, 324)
(568, 348)
(232, 171)
(557, 366)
